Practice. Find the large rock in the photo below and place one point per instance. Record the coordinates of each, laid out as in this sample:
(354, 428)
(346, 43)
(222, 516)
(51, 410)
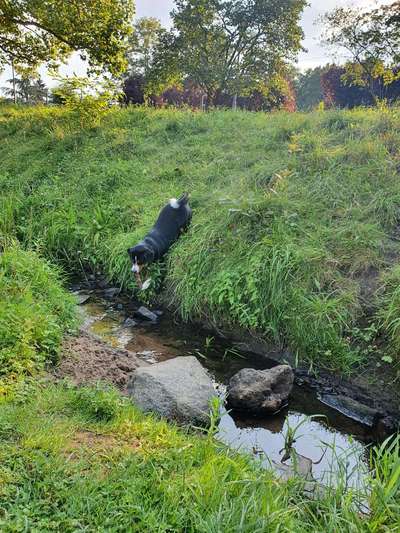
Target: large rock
(261, 391)
(179, 389)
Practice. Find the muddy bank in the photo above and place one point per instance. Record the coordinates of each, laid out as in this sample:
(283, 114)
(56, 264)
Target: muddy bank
(87, 359)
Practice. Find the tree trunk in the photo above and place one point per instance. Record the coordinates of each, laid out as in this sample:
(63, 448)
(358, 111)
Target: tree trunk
(234, 102)
(13, 81)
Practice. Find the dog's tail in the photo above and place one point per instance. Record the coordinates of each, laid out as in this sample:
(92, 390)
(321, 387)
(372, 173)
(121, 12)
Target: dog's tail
(183, 200)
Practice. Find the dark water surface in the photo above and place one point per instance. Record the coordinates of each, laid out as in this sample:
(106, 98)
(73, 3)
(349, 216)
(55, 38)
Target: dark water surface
(335, 444)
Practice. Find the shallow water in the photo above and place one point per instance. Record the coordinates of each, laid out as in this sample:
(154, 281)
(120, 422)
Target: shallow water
(335, 444)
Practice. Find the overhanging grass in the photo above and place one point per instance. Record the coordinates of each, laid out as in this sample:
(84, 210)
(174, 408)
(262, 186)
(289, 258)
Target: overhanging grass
(291, 211)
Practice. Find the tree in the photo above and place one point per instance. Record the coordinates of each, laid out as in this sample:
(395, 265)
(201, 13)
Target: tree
(134, 88)
(230, 46)
(46, 31)
(308, 88)
(27, 87)
(337, 93)
(371, 40)
(142, 44)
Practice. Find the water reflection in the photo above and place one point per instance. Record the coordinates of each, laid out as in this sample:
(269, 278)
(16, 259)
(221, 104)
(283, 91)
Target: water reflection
(325, 444)
(333, 454)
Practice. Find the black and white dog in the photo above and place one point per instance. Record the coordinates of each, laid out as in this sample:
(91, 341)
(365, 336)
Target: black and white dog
(173, 220)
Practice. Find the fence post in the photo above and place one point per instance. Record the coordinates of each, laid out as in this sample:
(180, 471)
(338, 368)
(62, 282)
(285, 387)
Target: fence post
(234, 102)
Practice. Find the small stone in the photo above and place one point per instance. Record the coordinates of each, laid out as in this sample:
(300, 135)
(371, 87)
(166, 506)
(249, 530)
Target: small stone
(82, 298)
(146, 314)
(102, 283)
(158, 312)
(129, 323)
(111, 293)
(353, 409)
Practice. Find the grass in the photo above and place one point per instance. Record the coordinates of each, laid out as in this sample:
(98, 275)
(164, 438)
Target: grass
(293, 237)
(291, 212)
(85, 460)
(35, 311)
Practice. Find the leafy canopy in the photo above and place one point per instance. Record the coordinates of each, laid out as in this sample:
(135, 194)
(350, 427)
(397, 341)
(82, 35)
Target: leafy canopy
(46, 31)
(145, 37)
(370, 38)
(226, 45)
(308, 88)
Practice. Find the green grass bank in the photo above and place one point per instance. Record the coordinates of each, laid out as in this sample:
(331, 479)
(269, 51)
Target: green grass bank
(86, 460)
(295, 231)
(294, 236)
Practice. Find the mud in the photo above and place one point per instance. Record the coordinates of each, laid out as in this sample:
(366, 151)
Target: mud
(87, 359)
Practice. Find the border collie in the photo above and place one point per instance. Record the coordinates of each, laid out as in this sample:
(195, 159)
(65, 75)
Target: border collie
(173, 220)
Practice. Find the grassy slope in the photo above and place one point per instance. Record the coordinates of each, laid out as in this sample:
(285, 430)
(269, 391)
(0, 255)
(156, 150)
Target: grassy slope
(84, 459)
(292, 211)
(35, 311)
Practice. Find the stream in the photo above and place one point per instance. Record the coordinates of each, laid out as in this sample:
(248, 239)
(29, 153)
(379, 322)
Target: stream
(334, 446)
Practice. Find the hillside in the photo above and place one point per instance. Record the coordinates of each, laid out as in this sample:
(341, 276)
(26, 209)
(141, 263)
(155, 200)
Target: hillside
(295, 227)
(294, 238)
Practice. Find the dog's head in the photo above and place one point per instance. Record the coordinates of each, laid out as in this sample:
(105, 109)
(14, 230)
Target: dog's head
(140, 255)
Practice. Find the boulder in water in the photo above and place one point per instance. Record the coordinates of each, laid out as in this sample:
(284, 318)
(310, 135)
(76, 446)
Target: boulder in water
(261, 391)
(179, 390)
(146, 314)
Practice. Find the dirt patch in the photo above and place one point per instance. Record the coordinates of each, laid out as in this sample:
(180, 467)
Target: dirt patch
(86, 359)
(91, 440)
(85, 441)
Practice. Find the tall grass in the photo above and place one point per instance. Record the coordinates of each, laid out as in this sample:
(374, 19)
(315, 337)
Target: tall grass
(291, 211)
(35, 311)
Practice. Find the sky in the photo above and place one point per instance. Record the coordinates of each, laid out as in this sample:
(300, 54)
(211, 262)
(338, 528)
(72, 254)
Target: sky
(315, 55)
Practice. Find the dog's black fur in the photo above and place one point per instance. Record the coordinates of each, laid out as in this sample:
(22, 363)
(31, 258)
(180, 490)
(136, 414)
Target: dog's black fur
(171, 222)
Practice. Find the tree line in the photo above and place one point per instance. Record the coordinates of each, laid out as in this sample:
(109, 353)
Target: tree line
(231, 53)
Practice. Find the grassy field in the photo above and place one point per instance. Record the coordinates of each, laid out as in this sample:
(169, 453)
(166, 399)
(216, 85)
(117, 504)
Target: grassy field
(294, 236)
(295, 231)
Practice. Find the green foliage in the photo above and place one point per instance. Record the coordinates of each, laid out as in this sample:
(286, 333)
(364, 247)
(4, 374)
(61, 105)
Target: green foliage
(33, 32)
(372, 37)
(390, 307)
(34, 313)
(29, 87)
(96, 404)
(61, 470)
(145, 37)
(293, 213)
(87, 99)
(235, 47)
(308, 89)
(385, 461)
